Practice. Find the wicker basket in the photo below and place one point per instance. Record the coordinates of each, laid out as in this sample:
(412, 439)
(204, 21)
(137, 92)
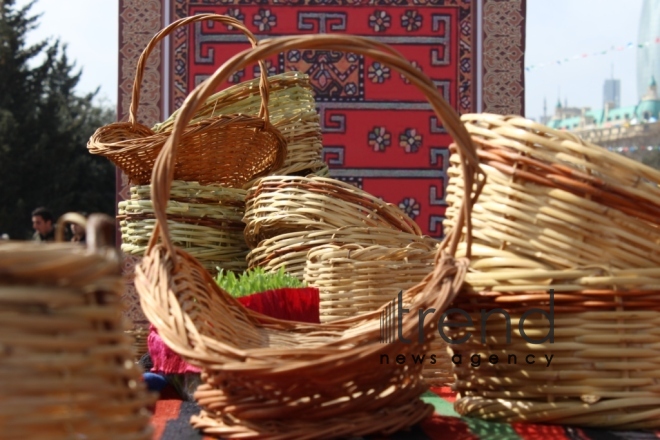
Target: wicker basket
(204, 220)
(600, 369)
(354, 279)
(265, 378)
(558, 200)
(289, 251)
(139, 338)
(228, 150)
(67, 364)
(292, 111)
(603, 371)
(571, 230)
(278, 205)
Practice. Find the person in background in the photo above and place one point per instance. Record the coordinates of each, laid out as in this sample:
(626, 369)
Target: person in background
(42, 222)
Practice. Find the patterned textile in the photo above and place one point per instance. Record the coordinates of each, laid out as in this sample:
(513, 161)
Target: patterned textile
(379, 133)
(171, 422)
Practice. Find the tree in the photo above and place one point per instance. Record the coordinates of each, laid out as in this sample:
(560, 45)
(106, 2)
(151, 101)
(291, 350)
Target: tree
(44, 128)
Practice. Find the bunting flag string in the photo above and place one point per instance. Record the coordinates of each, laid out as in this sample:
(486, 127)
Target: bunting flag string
(594, 54)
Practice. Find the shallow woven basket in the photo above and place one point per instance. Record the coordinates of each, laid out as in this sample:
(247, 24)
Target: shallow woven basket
(557, 200)
(289, 251)
(265, 378)
(228, 150)
(277, 205)
(292, 110)
(204, 220)
(67, 368)
(354, 279)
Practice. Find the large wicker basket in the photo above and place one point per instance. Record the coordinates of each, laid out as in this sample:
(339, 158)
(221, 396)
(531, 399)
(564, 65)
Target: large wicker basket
(67, 368)
(265, 378)
(558, 200)
(599, 369)
(567, 243)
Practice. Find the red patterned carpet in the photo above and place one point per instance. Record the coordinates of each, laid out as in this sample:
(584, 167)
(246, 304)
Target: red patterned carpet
(378, 131)
(171, 423)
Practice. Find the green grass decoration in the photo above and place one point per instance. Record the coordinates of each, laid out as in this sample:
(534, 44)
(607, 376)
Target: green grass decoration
(254, 281)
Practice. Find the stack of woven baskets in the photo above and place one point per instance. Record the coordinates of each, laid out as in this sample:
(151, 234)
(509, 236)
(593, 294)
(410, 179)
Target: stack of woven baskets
(259, 127)
(567, 242)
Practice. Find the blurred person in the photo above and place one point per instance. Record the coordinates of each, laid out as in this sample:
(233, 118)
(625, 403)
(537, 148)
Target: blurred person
(42, 222)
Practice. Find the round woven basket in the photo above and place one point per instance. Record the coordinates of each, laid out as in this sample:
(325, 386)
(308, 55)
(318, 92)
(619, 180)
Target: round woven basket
(205, 220)
(271, 379)
(229, 150)
(289, 251)
(354, 279)
(558, 200)
(67, 364)
(292, 110)
(277, 205)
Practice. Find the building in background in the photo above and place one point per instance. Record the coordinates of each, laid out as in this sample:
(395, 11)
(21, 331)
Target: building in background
(627, 128)
(632, 129)
(612, 93)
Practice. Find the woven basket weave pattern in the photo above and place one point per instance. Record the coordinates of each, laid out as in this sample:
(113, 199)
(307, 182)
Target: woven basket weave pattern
(563, 219)
(204, 220)
(292, 110)
(67, 367)
(228, 150)
(277, 205)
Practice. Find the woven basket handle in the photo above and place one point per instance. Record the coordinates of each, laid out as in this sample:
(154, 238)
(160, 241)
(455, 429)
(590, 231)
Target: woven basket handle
(99, 229)
(229, 21)
(163, 171)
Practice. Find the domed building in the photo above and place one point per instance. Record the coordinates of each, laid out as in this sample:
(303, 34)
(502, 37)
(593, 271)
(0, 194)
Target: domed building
(622, 128)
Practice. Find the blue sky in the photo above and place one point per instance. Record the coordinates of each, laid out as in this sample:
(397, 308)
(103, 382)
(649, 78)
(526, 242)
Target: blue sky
(556, 29)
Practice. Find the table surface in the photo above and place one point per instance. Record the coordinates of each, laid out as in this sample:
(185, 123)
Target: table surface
(171, 422)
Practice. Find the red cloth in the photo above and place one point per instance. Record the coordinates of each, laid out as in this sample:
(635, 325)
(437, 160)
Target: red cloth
(300, 305)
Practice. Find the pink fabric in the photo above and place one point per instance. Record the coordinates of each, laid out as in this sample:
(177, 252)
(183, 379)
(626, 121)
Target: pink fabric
(300, 305)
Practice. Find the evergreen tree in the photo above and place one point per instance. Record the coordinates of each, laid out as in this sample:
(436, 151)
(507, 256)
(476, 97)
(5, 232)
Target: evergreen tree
(44, 128)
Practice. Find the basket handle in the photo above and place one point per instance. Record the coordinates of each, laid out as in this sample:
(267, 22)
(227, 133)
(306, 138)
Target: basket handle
(99, 229)
(229, 21)
(163, 171)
